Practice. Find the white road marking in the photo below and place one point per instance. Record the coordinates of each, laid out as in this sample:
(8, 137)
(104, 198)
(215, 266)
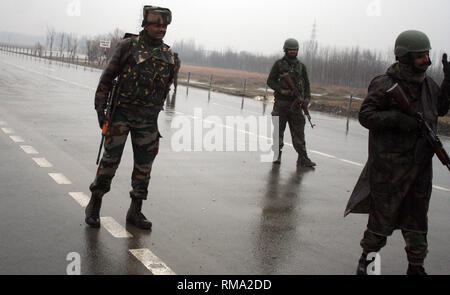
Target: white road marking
(19, 139)
(42, 162)
(351, 162)
(441, 188)
(80, 197)
(323, 154)
(59, 178)
(114, 227)
(29, 149)
(16, 138)
(152, 262)
(7, 130)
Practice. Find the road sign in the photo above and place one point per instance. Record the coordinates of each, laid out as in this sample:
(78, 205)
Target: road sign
(105, 44)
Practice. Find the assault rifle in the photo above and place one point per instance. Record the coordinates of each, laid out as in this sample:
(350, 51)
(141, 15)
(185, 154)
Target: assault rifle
(299, 101)
(397, 93)
(110, 109)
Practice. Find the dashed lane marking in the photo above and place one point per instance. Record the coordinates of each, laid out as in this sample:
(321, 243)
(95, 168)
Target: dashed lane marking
(7, 130)
(16, 138)
(80, 197)
(152, 262)
(59, 178)
(29, 149)
(114, 228)
(19, 139)
(42, 162)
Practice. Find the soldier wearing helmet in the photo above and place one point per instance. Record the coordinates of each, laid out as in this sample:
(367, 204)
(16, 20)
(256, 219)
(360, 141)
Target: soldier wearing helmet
(284, 98)
(395, 185)
(145, 67)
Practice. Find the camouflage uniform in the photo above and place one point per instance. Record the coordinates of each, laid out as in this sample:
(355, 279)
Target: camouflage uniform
(282, 106)
(177, 70)
(395, 185)
(147, 69)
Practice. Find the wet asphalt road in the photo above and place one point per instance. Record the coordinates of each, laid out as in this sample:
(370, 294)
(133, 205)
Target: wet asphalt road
(212, 212)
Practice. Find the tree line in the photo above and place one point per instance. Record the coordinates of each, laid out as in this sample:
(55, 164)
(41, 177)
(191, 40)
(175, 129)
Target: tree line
(327, 65)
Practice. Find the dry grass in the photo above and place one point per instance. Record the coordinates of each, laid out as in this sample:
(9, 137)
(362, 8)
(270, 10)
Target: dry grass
(226, 78)
(334, 98)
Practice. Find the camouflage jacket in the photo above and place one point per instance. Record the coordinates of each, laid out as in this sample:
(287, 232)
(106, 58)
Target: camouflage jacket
(177, 65)
(297, 71)
(146, 68)
(394, 151)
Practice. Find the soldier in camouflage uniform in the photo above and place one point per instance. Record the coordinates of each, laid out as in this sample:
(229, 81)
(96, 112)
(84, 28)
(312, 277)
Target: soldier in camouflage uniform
(177, 70)
(284, 98)
(145, 66)
(395, 185)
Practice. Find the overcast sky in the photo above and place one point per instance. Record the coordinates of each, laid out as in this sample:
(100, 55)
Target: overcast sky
(252, 25)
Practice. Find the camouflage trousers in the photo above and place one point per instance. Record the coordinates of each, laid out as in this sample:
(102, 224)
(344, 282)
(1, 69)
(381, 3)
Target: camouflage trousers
(296, 121)
(145, 142)
(416, 245)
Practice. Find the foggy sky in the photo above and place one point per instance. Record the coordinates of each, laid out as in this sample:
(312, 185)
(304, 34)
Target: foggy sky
(252, 25)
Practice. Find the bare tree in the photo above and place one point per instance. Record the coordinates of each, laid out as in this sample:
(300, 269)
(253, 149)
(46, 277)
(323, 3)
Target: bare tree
(72, 44)
(93, 49)
(51, 34)
(62, 37)
(38, 48)
(115, 37)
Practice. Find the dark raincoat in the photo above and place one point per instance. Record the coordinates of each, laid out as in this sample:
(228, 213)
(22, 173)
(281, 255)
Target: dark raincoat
(396, 182)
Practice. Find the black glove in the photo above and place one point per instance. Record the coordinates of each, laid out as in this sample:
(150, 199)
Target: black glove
(101, 118)
(446, 66)
(406, 123)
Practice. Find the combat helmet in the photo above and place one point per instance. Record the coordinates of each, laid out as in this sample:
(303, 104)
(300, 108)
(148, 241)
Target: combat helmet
(291, 44)
(411, 41)
(156, 15)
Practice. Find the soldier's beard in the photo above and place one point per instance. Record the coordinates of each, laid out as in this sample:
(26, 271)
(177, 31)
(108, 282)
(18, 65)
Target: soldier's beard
(421, 68)
(291, 57)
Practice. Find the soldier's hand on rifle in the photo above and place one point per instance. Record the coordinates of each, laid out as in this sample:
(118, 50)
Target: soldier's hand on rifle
(101, 118)
(287, 92)
(446, 66)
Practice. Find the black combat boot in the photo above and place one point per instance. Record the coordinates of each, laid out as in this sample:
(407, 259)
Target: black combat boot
(361, 270)
(93, 211)
(277, 160)
(304, 161)
(415, 270)
(135, 216)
